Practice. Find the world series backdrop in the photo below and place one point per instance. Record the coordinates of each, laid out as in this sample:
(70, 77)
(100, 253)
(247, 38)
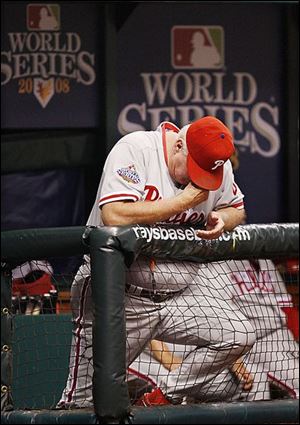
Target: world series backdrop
(175, 61)
(223, 60)
(49, 60)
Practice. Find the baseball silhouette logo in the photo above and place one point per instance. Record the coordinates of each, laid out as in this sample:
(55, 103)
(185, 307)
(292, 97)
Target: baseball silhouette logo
(43, 17)
(197, 47)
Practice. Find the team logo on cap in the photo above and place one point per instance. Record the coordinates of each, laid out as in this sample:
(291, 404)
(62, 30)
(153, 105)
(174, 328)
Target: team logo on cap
(129, 174)
(218, 163)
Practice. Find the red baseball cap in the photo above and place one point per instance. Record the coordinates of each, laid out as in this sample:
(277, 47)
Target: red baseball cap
(210, 145)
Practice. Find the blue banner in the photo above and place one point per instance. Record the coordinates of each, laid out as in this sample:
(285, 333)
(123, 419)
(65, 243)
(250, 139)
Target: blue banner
(179, 62)
(49, 76)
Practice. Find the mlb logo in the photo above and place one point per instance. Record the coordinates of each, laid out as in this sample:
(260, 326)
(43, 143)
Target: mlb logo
(43, 17)
(197, 47)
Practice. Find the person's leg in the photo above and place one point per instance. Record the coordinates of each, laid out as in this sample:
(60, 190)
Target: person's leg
(273, 359)
(278, 354)
(142, 374)
(78, 390)
(142, 319)
(202, 316)
(141, 322)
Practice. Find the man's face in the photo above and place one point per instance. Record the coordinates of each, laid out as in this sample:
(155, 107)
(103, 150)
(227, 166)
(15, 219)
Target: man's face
(178, 165)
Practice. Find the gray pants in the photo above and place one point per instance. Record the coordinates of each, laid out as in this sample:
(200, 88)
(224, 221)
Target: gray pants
(200, 316)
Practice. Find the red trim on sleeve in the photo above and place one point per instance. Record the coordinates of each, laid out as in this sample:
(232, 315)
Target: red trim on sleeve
(116, 197)
(238, 205)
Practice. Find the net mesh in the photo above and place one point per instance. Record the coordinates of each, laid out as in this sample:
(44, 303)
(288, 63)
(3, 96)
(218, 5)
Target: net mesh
(264, 294)
(42, 331)
(168, 334)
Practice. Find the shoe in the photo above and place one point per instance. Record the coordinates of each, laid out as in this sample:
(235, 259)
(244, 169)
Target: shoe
(155, 398)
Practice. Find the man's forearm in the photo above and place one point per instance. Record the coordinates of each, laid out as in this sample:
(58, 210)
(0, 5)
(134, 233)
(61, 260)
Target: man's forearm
(147, 212)
(232, 217)
(150, 212)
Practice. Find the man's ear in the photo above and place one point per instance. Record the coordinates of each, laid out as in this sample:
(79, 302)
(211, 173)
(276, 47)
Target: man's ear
(178, 145)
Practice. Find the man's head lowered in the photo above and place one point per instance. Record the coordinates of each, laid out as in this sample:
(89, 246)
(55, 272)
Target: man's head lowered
(209, 144)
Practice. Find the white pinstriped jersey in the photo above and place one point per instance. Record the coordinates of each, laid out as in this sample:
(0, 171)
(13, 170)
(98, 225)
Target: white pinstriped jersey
(260, 294)
(136, 170)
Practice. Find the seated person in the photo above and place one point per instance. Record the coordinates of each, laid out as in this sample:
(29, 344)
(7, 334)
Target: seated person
(258, 289)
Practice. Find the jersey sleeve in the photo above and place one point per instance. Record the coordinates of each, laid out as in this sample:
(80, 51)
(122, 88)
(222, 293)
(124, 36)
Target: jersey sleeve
(229, 195)
(123, 175)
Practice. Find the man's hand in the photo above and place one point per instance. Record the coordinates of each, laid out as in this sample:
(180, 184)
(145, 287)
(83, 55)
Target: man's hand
(214, 226)
(163, 355)
(194, 195)
(242, 374)
(225, 219)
